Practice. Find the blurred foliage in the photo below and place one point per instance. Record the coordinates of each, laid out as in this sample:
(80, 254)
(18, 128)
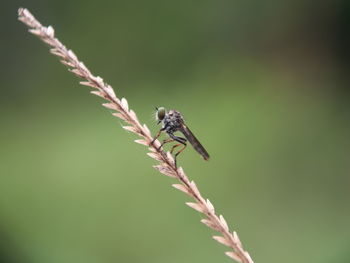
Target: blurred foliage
(263, 84)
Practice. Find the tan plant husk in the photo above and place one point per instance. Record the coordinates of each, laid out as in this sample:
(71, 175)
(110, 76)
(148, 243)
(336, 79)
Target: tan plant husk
(121, 110)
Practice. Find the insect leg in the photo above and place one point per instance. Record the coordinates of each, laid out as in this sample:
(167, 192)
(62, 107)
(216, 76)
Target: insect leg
(181, 141)
(173, 148)
(165, 141)
(157, 136)
(180, 151)
(178, 139)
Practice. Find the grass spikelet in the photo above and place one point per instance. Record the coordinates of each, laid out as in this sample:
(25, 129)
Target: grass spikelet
(196, 206)
(182, 188)
(121, 109)
(222, 240)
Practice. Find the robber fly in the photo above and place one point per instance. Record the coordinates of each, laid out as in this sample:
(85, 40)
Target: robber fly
(172, 121)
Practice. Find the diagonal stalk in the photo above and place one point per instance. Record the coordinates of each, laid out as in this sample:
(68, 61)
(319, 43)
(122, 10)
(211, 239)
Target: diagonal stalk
(166, 161)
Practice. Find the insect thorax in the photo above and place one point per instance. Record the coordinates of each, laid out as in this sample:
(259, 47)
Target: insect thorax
(172, 121)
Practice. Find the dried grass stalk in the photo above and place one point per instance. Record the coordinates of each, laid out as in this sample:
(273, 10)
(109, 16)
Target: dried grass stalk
(122, 111)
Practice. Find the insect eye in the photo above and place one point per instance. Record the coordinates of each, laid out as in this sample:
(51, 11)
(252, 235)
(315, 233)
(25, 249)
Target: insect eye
(160, 113)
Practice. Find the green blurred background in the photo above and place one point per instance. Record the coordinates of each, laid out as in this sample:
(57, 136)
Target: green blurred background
(263, 84)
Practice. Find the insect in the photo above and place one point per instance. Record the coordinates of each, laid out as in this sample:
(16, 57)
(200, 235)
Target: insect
(172, 121)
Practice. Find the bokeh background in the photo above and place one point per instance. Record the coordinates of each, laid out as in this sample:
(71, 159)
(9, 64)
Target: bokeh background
(263, 84)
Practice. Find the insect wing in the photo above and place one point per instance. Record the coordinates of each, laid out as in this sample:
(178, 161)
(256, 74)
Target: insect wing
(195, 143)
